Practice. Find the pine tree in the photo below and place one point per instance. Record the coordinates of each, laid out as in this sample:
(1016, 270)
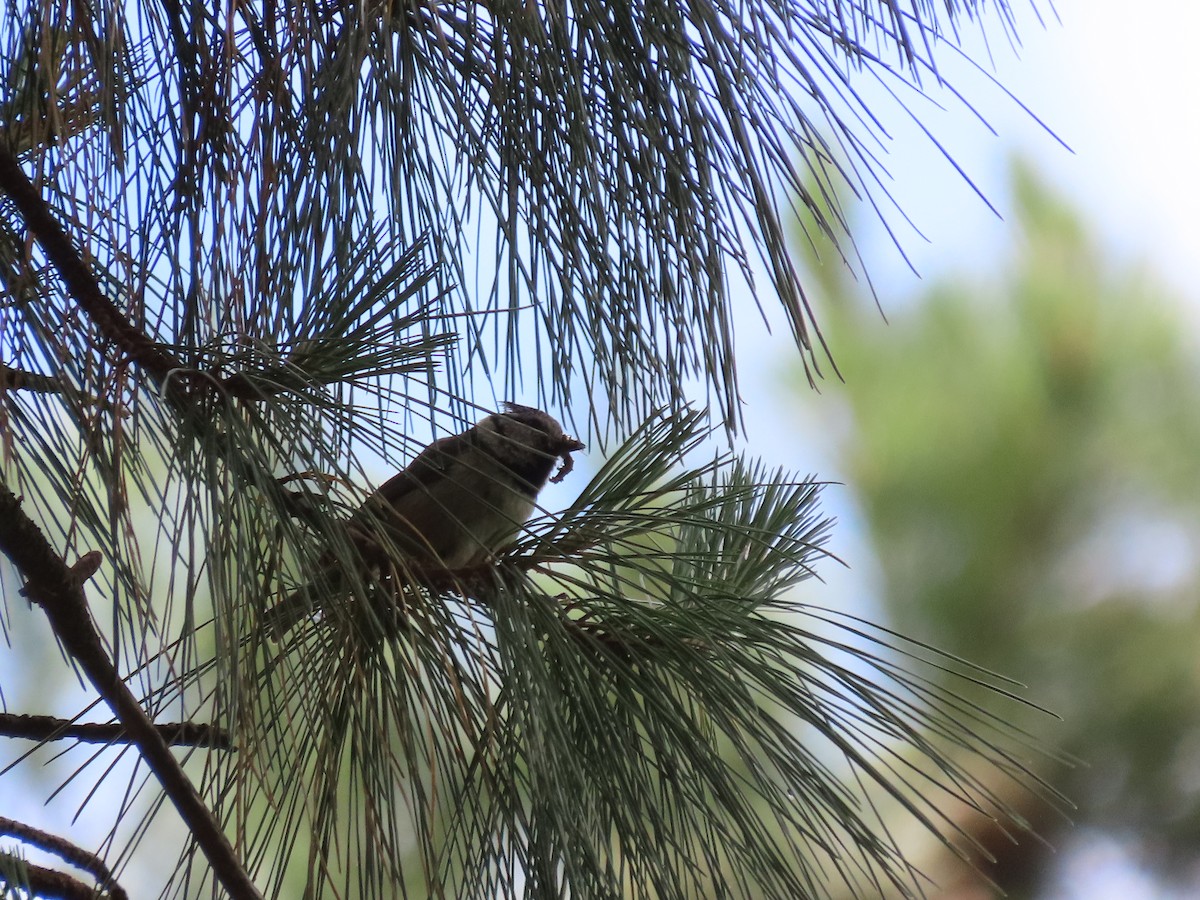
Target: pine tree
(251, 254)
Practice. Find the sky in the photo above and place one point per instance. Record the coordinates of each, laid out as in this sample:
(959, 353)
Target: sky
(1121, 89)
(1119, 84)
(1111, 134)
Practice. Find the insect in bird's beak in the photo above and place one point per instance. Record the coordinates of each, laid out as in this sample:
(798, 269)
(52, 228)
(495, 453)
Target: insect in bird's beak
(568, 444)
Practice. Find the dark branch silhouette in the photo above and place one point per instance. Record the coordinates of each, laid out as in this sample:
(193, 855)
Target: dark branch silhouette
(57, 884)
(54, 885)
(58, 589)
(51, 728)
(78, 276)
(176, 379)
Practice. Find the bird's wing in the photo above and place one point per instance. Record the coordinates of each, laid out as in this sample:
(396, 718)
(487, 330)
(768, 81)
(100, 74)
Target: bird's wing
(429, 467)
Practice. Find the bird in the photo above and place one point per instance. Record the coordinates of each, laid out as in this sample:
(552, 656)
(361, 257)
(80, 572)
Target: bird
(459, 501)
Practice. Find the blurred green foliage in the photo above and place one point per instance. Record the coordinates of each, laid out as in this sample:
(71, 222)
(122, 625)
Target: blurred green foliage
(1026, 454)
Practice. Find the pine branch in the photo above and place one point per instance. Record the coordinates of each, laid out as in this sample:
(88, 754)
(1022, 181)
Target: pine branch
(12, 379)
(635, 158)
(50, 884)
(168, 371)
(80, 281)
(51, 728)
(67, 852)
(58, 590)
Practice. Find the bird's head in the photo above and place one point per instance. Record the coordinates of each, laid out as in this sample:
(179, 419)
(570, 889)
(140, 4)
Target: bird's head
(527, 440)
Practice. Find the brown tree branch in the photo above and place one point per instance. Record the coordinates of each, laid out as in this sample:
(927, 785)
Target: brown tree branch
(58, 590)
(21, 380)
(50, 728)
(133, 343)
(67, 852)
(14, 379)
(80, 281)
(52, 885)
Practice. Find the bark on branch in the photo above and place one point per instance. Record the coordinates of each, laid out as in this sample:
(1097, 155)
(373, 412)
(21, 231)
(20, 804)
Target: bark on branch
(51, 728)
(52, 885)
(80, 282)
(49, 880)
(167, 370)
(57, 588)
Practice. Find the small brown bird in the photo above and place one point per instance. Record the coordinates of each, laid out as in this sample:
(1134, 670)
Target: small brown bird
(459, 501)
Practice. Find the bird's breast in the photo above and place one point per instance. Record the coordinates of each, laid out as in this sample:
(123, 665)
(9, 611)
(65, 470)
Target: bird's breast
(461, 523)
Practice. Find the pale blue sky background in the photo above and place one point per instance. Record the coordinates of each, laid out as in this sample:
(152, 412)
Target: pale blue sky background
(1121, 89)
(1120, 84)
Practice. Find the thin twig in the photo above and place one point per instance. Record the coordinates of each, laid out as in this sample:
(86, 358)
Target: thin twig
(14, 379)
(50, 728)
(57, 589)
(64, 850)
